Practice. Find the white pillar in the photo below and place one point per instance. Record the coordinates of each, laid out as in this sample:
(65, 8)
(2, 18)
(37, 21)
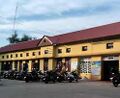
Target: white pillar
(29, 66)
(119, 63)
(41, 65)
(23, 62)
(13, 65)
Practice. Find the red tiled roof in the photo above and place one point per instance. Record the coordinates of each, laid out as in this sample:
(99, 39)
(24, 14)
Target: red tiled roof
(83, 35)
(88, 34)
(20, 46)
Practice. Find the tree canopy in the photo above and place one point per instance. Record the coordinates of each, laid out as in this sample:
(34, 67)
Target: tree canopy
(15, 39)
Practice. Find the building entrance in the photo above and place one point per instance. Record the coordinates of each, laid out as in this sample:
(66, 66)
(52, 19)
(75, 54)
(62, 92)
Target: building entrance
(107, 67)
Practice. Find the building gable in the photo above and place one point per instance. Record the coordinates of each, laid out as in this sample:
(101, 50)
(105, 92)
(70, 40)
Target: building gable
(45, 41)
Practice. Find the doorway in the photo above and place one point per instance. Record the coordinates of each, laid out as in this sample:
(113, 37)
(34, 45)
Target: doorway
(106, 69)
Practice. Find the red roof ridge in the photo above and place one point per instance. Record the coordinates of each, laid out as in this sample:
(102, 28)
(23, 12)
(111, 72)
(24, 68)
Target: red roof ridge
(80, 31)
(21, 42)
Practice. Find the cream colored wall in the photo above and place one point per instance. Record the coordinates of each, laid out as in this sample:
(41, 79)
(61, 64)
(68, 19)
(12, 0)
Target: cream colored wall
(24, 57)
(50, 53)
(100, 47)
(76, 50)
(94, 48)
(42, 55)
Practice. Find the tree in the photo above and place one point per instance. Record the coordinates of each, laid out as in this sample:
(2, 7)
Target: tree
(14, 38)
(25, 38)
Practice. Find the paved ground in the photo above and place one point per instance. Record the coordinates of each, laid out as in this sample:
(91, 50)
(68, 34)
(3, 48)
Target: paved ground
(83, 89)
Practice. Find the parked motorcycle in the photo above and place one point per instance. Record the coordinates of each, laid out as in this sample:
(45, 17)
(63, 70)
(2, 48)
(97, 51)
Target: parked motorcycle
(113, 73)
(50, 76)
(116, 80)
(21, 75)
(73, 76)
(33, 76)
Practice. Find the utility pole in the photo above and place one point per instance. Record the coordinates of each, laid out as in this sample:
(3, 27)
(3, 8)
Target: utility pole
(14, 19)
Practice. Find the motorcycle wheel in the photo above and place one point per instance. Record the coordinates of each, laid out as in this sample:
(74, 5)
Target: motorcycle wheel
(26, 80)
(76, 80)
(115, 83)
(46, 82)
(70, 80)
(60, 80)
(53, 81)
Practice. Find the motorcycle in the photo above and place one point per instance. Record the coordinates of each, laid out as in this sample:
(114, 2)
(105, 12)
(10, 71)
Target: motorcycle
(73, 76)
(116, 80)
(49, 76)
(33, 76)
(20, 75)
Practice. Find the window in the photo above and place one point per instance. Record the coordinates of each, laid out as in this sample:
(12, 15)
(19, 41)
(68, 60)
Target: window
(109, 45)
(7, 56)
(27, 54)
(85, 65)
(46, 52)
(68, 50)
(84, 48)
(16, 55)
(21, 55)
(59, 50)
(3, 57)
(33, 53)
(11, 55)
(39, 53)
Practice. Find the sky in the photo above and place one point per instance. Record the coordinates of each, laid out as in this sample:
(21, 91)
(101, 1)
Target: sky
(37, 18)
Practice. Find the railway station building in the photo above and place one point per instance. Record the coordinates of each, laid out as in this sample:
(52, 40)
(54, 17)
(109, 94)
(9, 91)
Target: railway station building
(93, 52)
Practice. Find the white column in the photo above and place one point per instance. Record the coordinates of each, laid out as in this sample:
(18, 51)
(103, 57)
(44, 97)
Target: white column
(13, 65)
(119, 63)
(23, 62)
(18, 65)
(29, 66)
(41, 65)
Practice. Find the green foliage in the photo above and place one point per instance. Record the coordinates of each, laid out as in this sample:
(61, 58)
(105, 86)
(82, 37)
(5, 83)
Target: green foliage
(15, 39)
(25, 38)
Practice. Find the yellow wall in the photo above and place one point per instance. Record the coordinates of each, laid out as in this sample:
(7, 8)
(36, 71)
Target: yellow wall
(94, 49)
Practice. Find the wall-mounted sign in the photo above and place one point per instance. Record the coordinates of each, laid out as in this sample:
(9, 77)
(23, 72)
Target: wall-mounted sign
(110, 58)
(96, 68)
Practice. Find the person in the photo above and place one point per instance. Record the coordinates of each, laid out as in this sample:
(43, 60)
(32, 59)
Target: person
(59, 66)
(63, 68)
